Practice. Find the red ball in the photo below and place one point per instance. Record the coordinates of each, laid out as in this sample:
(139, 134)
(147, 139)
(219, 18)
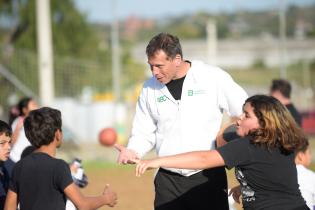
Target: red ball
(107, 137)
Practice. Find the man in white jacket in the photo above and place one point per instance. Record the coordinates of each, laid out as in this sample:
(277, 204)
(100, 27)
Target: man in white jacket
(179, 110)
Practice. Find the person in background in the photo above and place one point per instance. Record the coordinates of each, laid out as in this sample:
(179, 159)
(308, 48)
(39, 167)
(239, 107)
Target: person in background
(281, 90)
(19, 140)
(5, 147)
(179, 110)
(306, 177)
(79, 178)
(13, 114)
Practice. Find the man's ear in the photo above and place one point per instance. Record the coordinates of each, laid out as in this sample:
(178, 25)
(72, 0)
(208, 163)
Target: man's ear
(178, 59)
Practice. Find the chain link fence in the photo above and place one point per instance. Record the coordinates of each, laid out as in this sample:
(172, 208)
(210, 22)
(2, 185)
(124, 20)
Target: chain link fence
(73, 77)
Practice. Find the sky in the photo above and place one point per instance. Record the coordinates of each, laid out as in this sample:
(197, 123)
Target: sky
(102, 10)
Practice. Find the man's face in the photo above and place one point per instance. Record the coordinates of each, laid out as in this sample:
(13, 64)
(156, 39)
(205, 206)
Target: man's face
(5, 147)
(164, 69)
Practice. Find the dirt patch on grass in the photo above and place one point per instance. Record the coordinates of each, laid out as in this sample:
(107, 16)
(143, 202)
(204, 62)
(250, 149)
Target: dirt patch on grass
(134, 193)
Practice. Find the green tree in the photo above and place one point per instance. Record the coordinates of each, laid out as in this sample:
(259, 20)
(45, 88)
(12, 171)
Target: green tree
(71, 33)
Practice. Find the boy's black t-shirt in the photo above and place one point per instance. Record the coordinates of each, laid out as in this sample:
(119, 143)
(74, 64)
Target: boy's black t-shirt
(39, 181)
(268, 178)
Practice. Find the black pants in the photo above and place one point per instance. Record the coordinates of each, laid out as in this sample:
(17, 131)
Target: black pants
(206, 190)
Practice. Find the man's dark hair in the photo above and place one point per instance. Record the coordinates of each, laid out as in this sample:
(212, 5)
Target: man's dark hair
(23, 103)
(166, 42)
(281, 85)
(5, 129)
(41, 125)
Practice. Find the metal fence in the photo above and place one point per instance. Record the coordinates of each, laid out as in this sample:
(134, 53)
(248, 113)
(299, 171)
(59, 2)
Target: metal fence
(73, 78)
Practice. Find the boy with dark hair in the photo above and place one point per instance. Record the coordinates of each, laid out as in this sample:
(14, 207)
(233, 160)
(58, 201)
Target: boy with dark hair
(40, 181)
(5, 147)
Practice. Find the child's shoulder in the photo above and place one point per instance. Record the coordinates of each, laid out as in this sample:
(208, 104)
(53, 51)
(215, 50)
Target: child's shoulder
(54, 161)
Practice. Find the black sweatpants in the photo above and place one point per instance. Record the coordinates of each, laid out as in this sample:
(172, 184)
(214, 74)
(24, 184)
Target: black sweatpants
(206, 190)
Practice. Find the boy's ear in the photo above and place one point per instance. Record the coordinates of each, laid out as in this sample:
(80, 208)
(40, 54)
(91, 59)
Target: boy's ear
(58, 135)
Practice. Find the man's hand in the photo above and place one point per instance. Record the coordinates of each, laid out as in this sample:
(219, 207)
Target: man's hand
(126, 156)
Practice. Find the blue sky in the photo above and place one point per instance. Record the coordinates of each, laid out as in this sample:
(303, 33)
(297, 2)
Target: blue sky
(102, 10)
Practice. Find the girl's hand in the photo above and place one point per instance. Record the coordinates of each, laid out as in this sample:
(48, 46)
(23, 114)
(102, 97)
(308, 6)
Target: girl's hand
(144, 165)
(236, 193)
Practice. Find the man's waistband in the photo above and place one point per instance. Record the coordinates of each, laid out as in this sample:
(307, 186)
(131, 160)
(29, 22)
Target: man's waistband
(181, 172)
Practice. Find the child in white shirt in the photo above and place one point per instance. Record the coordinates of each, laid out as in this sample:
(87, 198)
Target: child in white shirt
(306, 177)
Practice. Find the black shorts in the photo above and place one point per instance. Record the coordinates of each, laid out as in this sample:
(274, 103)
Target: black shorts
(202, 191)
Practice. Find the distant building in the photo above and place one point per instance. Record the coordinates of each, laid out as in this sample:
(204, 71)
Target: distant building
(133, 24)
(302, 27)
(242, 53)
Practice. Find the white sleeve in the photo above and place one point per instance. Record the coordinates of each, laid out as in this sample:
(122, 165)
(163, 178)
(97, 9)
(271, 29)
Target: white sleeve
(231, 96)
(142, 138)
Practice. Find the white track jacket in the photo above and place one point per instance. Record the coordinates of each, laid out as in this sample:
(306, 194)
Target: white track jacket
(191, 124)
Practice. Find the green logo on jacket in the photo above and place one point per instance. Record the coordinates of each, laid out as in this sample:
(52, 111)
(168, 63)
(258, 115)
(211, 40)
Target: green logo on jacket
(196, 92)
(161, 98)
(190, 92)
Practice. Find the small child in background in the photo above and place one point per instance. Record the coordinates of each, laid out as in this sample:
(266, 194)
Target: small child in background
(19, 140)
(5, 147)
(306, 177)
(79, 179)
